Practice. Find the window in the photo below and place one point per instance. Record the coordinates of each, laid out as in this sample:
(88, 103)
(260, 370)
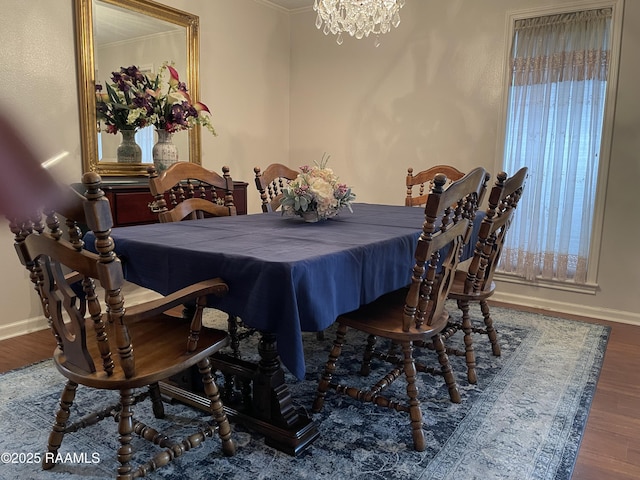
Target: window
(559, 81)
(144, 138)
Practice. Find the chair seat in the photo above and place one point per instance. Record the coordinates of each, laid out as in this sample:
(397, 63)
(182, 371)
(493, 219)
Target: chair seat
(160, 352)
(374, 319)
(457, 289)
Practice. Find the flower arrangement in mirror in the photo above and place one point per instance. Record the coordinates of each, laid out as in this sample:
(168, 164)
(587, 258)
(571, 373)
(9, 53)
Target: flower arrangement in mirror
(316, 194)
(135, 100)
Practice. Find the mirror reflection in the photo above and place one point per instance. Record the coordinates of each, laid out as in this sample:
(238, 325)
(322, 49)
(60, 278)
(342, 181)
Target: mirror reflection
(123, 38)
(115, 34)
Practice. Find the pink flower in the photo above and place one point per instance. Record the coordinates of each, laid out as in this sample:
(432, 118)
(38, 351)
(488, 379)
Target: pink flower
(201, 107)
(174, 79)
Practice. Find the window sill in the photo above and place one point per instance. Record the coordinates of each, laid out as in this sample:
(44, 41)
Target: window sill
(569, 285)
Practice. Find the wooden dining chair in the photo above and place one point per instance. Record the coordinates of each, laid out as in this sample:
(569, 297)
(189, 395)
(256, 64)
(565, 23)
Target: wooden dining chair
(192, 192)
(271, 183)
(104, 346)
(475, 282)
(415, 313)
(423, 181)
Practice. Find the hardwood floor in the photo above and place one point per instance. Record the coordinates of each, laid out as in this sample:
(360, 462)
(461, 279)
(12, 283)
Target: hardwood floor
(26, 349)
(611, 445)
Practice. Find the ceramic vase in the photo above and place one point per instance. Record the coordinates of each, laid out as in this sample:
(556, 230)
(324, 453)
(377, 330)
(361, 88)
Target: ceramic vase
(310, 216)
(128, 151)
(165, 153)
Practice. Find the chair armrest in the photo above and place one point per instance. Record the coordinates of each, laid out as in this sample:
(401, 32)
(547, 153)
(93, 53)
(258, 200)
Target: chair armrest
(215, 286)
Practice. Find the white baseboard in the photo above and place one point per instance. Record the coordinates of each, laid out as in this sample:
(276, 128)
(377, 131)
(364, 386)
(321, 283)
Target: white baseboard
(132, 293)
(552, 306)
(24, 326)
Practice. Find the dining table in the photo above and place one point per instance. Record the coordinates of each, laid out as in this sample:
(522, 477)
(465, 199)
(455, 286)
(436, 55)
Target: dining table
(285, 277)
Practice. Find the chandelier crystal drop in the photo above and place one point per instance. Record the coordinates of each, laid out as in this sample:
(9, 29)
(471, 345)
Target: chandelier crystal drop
(358, 18)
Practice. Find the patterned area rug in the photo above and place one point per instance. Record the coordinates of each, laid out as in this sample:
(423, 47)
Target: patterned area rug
(523, 420)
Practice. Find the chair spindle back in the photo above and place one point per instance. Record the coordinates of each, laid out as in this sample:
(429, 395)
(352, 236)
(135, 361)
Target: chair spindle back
(192, 192)
(424, 181)
(64, 275)
(503, 200)
(448, 214)
(271, 183)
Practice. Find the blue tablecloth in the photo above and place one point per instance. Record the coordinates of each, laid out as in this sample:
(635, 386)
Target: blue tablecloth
(285, 276)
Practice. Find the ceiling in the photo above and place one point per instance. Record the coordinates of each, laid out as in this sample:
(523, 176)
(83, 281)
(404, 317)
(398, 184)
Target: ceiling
(292, 4)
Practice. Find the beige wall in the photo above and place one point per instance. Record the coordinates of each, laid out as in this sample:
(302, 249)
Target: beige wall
(282, 91)
(432, 93)
(244, 79)
(38, 71)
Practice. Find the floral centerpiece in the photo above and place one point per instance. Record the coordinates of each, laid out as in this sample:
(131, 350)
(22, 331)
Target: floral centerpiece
(316, 191)
(135, 100)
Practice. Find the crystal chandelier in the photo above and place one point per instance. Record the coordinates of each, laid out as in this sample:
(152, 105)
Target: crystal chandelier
(358, 18)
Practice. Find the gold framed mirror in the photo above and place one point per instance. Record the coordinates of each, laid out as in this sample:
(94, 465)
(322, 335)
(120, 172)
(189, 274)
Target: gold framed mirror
(132, 28)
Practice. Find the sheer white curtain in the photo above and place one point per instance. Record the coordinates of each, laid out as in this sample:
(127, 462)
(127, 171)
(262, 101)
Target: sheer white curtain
(555, 112)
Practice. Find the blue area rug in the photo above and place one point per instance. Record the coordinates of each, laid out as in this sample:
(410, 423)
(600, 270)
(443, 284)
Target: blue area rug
(523, 420)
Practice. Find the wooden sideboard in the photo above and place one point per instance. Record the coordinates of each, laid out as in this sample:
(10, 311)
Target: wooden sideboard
(129, 199)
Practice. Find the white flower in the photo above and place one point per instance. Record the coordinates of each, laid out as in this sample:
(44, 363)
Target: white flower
(316, 189)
